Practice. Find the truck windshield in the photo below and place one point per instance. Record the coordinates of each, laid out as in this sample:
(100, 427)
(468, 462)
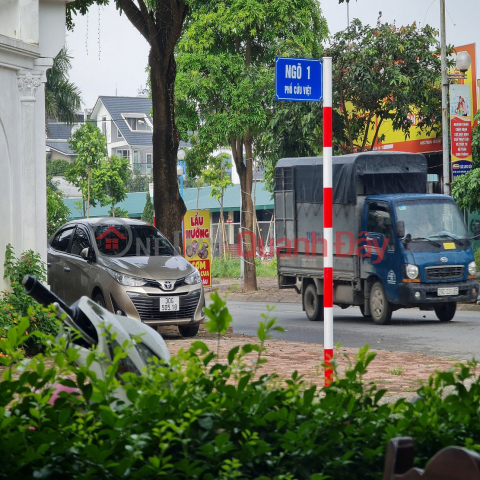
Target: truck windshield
(431, 219)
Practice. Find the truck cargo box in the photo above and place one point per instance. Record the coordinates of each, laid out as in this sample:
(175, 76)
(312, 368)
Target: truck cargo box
(299, 202)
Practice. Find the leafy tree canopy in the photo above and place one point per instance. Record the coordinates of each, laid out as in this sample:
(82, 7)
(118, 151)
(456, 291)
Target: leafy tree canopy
(109, 181)
(225, 80)
(62, 97)
(385, 73)
(90, 146)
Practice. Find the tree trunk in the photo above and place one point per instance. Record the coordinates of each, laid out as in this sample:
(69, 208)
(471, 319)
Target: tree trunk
(245, 172)
(168, 204)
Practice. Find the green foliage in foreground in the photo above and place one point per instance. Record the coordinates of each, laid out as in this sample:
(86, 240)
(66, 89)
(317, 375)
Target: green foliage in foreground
(15, 304)
(230, 267)
(210, 418)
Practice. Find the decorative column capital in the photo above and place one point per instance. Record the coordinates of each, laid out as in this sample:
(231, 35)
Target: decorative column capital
(28, 82)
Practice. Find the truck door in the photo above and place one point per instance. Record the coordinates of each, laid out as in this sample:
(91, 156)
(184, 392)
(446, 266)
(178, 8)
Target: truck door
(380, 249)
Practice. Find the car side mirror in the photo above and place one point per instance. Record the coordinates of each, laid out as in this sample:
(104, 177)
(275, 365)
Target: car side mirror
(400, 229)
(87, 254)
(178, 249)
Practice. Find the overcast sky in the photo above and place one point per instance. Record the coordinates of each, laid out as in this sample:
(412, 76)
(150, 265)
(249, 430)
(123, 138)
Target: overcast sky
(110, 55)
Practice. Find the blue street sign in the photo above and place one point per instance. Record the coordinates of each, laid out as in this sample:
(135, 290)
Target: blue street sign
(298, 79)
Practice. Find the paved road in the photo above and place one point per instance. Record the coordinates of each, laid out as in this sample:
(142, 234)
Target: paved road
(410, 331)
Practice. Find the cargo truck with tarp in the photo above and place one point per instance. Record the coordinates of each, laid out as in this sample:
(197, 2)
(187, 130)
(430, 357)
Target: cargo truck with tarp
(394, 245)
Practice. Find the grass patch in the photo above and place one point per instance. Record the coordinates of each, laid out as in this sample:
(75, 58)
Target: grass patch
(230, 268)
(396, 371)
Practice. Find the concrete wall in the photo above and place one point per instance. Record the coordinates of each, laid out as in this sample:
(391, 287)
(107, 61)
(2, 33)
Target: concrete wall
(23, 66)
(19, 20)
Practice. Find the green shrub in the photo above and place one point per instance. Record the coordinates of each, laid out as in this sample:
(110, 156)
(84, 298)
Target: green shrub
(477, 259)
(204, 417)
(230, 267)
(57, 211)
(15, 304)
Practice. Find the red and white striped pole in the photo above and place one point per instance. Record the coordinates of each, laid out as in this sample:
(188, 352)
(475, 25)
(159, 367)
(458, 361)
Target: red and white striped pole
(327, 221)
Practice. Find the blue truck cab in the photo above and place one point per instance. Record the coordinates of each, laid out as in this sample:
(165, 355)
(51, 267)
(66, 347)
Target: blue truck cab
(395, 246)
(417, 246)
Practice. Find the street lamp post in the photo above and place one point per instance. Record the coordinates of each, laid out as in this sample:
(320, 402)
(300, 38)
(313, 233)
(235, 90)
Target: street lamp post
(463, 62)
(445, 122)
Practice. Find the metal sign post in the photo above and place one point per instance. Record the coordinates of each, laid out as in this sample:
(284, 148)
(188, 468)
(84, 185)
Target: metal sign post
(327, 221)
(310, 80)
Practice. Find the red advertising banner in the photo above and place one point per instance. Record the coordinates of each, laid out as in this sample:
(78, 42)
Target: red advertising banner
(461, 137)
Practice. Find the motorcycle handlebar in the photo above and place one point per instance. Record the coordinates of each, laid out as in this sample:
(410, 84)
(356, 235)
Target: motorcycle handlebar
(42, 295)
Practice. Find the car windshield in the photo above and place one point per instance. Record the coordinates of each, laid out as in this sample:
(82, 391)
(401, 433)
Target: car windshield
(427, 219)
(132, 241)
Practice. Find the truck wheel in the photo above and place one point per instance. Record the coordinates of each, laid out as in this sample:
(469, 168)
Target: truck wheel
(445, 311)
(362, 310)
(380, 309)
(313, 304)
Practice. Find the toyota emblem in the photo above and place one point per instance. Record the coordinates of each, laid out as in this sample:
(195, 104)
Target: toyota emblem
(444, 259)
(167, 285)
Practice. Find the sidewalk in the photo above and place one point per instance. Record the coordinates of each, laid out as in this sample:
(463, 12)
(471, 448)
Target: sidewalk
(399, 373)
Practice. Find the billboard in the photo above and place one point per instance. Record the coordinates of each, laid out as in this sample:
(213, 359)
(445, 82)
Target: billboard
(419, 141)
(461, 117)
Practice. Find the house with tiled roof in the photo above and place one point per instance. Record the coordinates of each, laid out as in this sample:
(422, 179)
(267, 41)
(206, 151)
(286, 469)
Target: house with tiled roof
(57, 146)
(128, 126)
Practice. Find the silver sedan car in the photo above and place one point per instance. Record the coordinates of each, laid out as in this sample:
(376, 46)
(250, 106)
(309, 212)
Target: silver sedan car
(130, 268)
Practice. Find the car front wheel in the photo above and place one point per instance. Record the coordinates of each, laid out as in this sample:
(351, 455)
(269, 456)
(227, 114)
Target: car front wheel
(98, 298)
(188, 330)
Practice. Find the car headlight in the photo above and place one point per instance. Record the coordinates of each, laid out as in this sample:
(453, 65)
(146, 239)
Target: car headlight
(126, 280)
(193, 278)
(411, 271)
(472, 268)
(145, 352)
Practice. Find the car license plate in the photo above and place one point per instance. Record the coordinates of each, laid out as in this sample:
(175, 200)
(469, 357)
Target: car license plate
(169, 304)
(447, 291)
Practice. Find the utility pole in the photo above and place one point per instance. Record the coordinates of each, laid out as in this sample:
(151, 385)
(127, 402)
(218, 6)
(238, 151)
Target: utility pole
(445, 122)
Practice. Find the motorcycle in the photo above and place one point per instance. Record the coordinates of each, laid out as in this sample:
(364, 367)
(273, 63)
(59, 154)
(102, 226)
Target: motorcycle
(104, 331)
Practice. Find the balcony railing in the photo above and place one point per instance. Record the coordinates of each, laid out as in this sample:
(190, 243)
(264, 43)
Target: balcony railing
(143, 168)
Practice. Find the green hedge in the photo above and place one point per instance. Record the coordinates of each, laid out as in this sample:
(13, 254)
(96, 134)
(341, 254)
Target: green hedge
(210, 418)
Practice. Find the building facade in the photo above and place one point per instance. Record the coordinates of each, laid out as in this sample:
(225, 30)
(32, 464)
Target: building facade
(32, 32)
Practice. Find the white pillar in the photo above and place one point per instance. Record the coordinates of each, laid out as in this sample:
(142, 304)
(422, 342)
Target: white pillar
(26, 232)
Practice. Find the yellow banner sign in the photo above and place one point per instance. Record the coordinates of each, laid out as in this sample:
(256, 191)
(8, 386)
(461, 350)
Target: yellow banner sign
(196, 243)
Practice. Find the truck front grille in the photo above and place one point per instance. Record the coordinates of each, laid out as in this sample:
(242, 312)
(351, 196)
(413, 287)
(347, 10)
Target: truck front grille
(149, 307)
(448, 272)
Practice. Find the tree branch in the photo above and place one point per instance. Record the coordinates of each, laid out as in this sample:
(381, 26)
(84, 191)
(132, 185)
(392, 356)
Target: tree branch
(367, 127)
(135, 16)
(376, 133)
